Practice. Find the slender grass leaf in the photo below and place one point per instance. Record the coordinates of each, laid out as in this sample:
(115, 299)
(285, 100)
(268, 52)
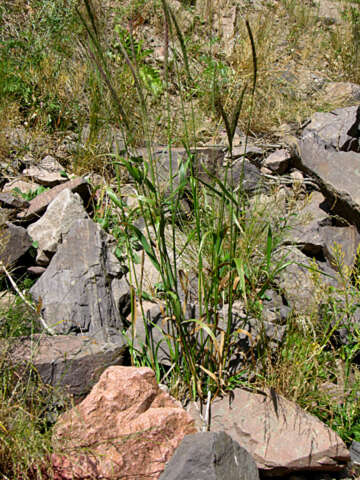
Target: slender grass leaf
(269, 247)
(146, 246)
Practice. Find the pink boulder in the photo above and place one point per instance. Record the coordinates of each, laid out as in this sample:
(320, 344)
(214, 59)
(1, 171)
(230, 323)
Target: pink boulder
(125, 428)
(281, 437)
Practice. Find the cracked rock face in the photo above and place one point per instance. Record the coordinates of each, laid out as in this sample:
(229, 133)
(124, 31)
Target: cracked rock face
(329, 151)
(76, 290)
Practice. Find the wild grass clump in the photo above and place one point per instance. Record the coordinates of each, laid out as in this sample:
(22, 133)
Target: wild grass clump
(28, 407)
(318, 364)
(24, 400)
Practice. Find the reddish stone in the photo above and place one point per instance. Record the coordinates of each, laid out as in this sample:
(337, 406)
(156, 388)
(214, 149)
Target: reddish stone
(126, 428)
(39, 203)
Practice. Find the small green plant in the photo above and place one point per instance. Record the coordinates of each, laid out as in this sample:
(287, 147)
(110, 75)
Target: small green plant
(31, 194)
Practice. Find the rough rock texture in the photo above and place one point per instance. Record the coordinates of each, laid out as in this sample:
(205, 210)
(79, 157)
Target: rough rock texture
(57, 220)
(73, 362)
(24, 187)
(278, 161)
(210, 456)
(280, 436)
(295, 281)
(47, 172)
(125, 428)
(316, 233)
(39, 203)
(76, 289)
(337, 129)
(14, 243)
(336, 172)
(355, 452)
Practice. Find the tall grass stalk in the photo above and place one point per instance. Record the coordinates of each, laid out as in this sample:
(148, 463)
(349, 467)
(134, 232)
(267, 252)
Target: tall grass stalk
(201, 347)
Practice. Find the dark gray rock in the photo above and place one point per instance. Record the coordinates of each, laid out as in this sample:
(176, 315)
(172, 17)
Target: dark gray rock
(336, 172)
(338, 129)
(76, 289)
(316, 233)
(69, 361)
(14, 243)
(210, 456)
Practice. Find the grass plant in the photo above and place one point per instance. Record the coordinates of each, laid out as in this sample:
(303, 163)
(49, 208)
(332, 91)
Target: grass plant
(26, 404)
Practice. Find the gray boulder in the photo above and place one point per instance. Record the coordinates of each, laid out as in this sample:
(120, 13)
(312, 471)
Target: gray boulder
(68, 361)
(209, 162)
(57, 220)
(76, 290)
(210, 456)
(337, 172)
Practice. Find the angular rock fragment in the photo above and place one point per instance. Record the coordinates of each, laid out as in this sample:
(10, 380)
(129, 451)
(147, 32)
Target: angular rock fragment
(39, 203)
(278, 161)
(23, 187)
(336, 172)
(57, 220)
(281, 437)
(47, 172)
(76, 289)
(10, 201)
(336, 92)
(14, 243)
(209, 163)
(72, 362)
(133, 428)
(316, 233)
(338, 129)
(210, 456)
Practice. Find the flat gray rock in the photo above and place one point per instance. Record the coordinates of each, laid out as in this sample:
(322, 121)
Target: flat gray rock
(336, 172)
(69, 361)
(76, 289)
(210, 456)
(315, 232)
(209, 162)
